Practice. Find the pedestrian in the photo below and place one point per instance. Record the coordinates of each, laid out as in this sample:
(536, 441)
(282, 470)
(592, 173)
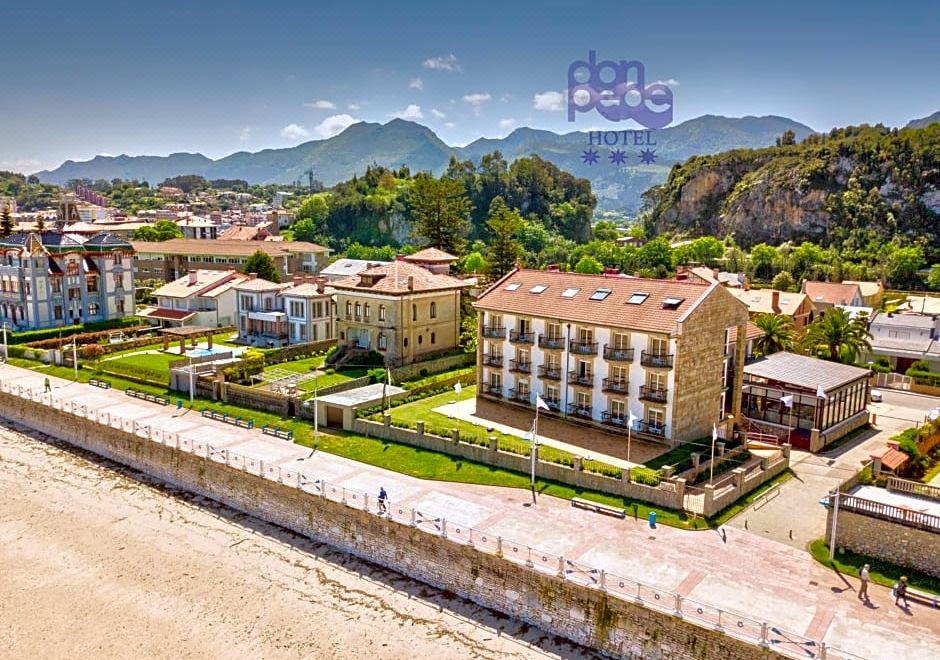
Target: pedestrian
(383, 497)
(863, 576)
(48, 385)
(900, 591)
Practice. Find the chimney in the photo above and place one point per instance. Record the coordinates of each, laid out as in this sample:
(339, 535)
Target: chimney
(321, 283)
(193, 278)
(775, 301)
(611, 272)
(399, 257)
(252, 276)
(298, 280)
(552, 268)
(715, 272)
(411, 282)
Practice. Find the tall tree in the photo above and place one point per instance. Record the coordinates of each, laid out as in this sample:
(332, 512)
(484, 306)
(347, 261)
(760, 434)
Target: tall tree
(589, 265)
(262, 264)
(161, 230)
(6, 222)
(778, 334)
(504, 248)
(440, 213)
(838, 336)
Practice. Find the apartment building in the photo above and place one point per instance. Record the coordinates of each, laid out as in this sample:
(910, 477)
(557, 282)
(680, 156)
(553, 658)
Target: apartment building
(273, 315)
(169, 260)
(200, 298)
(797, 306)
(51, 279)
(401, 310)
(605, 349)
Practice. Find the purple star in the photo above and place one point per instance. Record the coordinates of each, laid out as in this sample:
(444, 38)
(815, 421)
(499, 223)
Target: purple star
(589, 157)
(618, 157)
(648, 156)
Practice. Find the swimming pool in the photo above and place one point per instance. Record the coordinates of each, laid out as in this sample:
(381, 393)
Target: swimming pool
(215, 350)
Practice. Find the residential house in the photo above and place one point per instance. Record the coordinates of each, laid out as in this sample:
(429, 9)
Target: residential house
(432, 259)
(826, 295)
(198, 228)
(872, 292)
(796, 306)
(607, 349)
(204, 298)
(168, 260)
(273, 315)
(711, 275)
(403, 311)
(51, 279)
(905, 338)
(343, 268)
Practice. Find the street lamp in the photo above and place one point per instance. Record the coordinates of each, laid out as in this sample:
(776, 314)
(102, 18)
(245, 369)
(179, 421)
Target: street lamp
(316, 412)
(6, 354)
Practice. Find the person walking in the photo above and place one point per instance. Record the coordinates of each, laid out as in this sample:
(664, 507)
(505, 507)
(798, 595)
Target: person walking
(900, 591)
(863, 588)
(383, 498)
(48, 385)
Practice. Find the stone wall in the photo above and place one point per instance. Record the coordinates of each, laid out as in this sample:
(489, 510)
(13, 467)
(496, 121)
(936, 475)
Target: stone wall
(617, 626)
(435, 366)
(888, 541)
(743, 483)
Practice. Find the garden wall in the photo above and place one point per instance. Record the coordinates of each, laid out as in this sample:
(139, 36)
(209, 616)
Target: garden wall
(438, 365)
(743, 483)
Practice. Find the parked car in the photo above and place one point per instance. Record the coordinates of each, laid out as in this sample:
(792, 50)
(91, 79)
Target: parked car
(876, 396)
(934, 414)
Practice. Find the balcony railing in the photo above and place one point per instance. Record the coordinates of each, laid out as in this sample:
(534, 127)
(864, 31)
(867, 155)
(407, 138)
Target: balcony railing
(551, 373)
(520, 396)
(614, 418)
(492, 390)
(553, 343)
(654, 394)
(656, 360)
(619, 385)
(576, 410)
(585, 380)
(618, 354)
(517, 337)
(494, 332)
(491, 360)
(521, 366)
(553, 404)
(647, 426)
(583, 347)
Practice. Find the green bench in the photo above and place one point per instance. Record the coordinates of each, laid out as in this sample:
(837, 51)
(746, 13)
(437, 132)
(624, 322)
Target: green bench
(228, 419)
(146, 396)
(278, 432)
(97, 382)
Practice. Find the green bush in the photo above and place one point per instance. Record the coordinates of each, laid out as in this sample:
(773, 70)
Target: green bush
(251, 364)
(923, 377)
(376, 375)
(645, 476)
(28, 336)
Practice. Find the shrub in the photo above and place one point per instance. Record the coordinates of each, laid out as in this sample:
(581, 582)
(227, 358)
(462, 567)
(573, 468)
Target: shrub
(250, 365)
(78, 338)
(91, 351)
(66, 331)
(376, 375)
(645, 476)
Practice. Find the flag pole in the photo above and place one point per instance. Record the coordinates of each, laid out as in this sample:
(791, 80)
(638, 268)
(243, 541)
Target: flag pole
(711, 463)
(535, 444)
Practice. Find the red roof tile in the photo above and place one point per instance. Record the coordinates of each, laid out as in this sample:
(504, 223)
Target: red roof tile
(393, 279)
(833, 293)
(429, 255)
(168, 314)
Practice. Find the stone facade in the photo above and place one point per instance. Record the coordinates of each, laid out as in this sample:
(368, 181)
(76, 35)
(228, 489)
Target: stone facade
(888, 541)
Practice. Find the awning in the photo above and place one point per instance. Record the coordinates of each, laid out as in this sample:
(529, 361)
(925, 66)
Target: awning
(163, 314)
(266, 316)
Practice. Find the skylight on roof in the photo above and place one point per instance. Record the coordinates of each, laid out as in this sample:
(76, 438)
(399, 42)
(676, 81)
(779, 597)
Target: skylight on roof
(637, 298)
(672, 303)
(538, 288)
(569, 293)
(600, 294)
(513, 286)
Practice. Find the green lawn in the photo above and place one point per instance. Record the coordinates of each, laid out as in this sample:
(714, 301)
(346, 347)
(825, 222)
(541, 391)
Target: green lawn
(880, 572)
(681, 457)
(306, 366)
(158, 361)
(730, 512)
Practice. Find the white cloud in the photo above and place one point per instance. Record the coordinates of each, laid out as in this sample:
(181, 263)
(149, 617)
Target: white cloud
(507, 123)
(476, 100)
(416, 83)
(549, 101)
(321, 105)
(23, 165)
(245, 134)
(105, 154)
(294, 132)
(333, 125)
(353, 106)
(412, 112)
(449, 124)
(445, 63)
(437, 113)
(505, 98)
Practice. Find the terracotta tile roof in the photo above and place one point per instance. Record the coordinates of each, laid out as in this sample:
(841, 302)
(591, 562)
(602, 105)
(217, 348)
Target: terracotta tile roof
(833, 293)
(429, 255)
(259, 284)
(760, 301)
(393, 279)
(305, 290)
(206, 282)
(613, 310)
(892, 458)
(167, 314)
(753, 332)
(189, 246)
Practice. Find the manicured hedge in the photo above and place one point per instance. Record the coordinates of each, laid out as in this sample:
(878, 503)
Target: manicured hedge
(67, 330)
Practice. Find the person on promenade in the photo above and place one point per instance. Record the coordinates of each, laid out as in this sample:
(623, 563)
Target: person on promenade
(48, 385)
(383, 497)
(900, 591)
(863, 589)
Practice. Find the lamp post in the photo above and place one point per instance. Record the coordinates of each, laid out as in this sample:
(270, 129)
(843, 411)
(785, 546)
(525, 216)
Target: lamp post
(316, 412)
(6, 354)
(191, 382)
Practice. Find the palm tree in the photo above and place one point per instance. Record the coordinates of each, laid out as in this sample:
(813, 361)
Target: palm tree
(837, 336)
(778, 334)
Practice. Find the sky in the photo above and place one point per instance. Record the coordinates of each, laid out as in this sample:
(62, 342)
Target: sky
(220, 77)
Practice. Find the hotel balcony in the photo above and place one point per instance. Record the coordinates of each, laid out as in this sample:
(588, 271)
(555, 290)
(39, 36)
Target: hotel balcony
(491, 390)
(656, 360)
(552, 343)
(584, 412)
(584, 380)
(614, 419)
(493, 332)
(652, 394)
(553, 404)
(520, 396)
(519, 366)
(517, 337)
(618, 354)
(646, 426)
(583, 347)
(491, 360)
(551, 373)
(617, 385)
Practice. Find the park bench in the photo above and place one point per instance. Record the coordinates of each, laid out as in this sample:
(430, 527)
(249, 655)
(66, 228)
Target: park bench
(144, 396)
(97, 382)
(223, 417)
(277, 432)
(927, 598)
(597, 507)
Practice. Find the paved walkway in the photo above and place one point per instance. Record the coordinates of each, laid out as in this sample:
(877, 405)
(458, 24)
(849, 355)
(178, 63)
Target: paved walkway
(730, 569)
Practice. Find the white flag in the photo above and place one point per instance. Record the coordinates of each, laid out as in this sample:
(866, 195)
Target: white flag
(457, 388)
(388, 372)
(540, 403)
(787, 400)
(714, 431)
(632, 417)
(820, 392)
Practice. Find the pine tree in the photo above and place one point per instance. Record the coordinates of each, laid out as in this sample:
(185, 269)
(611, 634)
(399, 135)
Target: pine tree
(6, 222)
(263, 265)
(440, 214)
(504, 248)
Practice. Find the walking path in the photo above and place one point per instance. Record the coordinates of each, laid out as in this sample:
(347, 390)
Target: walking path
(730, 569)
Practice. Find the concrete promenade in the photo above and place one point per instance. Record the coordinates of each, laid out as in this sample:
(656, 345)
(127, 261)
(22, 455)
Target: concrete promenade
(730, 569)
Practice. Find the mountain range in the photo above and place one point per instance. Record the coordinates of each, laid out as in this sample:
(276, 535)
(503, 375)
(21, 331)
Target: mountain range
(400, 142)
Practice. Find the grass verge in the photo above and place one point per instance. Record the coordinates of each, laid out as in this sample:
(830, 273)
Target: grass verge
(731, 511)
(881, 572)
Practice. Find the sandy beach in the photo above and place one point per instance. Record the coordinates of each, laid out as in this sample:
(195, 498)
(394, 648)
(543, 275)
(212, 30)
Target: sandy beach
(99, 561)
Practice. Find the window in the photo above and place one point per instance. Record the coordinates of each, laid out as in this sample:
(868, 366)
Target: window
(658, 346)
(405, 342)
(120, 306)
(382, 343)
(551, 394)
(432, 310)
(93, 309)
(522, 388)
(414, 312)
(513, 287)
(522, 356)
(433, 338)
(420, 339)
(118, 258)
(538, 288)
(600, 294)
(57, 312)
(118, 280)
(553, 330)
(71, 268)
(296, 308)
(381, 312)
(569, 293)
(91, 284)
(358, 309)
(348, 309)
(655, 381)
(672, 303)
(656, 418)
(584, 402)
(368, 311)
(585, 336)
(618, 409)
(637, 298)
(619, 374)
(552, 362)
(246, 304)
(301, 332)
(56, 285)
(496, 380)
(621, 341)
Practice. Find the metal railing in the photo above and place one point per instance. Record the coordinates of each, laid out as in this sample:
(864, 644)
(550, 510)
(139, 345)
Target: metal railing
(519, 396)
(583, 347)
(913, 488)
(492, 360)
(552, 342)
(614, 418)
(517, 337)
(584, 380)
(618, 385)
(618, 354)
(521, 366)
(575, 410)
(656, 360)
(654, 394)
(491, 390)
(906, 517)
(494, 332)
(551, 373)
(738, 626)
